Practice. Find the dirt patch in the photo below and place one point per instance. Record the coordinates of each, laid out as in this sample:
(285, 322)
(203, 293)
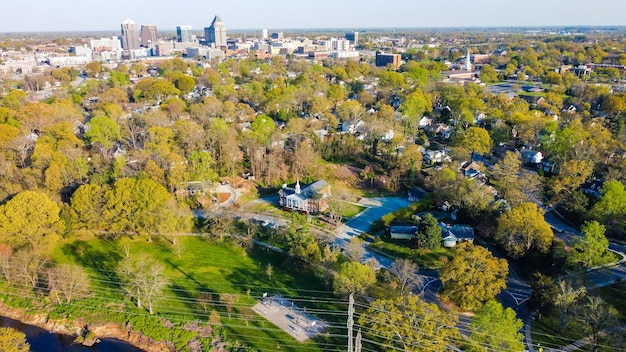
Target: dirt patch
(222, 198)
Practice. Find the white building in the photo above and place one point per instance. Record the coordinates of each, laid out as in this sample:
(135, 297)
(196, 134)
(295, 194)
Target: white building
(106, 44)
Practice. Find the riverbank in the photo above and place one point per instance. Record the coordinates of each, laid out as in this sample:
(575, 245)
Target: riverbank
(85, 333)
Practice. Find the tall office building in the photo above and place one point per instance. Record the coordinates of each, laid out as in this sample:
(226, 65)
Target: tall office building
(148, 34)
(130, 35)
(353, 37)
(216, 33)
(184, 34)
(264, 34)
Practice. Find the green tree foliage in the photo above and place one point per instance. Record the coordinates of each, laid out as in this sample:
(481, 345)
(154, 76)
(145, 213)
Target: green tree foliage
(87, 204)
(513, 183)
(592, 248)
(474, 139)
(597, 316)
(263, 125)
(143, 206)
(612, 202)
(12, 340)
(29, 219)
(494, 328)
(407, 323)
(103, 132)
(183, 83)
(488, 74)
(353, 277)
(473, 276)
(429, 233)
(524, 228)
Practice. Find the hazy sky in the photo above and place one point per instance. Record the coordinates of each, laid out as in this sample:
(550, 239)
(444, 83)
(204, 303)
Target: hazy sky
(80, 15)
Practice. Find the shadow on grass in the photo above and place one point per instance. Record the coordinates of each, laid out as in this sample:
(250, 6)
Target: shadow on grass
(102, 262)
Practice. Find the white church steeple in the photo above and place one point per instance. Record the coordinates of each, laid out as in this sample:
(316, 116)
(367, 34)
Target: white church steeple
(468, 63)
(298, 187)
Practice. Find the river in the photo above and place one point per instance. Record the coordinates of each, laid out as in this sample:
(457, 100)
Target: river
(41, 340)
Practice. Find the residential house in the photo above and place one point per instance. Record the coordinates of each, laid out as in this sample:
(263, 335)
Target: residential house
(455, 234)
(441, 130)
(593, 187)
(311, 199)
(472, 171)
(425, 121)
(402, 232)
(532, 157)
(436, 157)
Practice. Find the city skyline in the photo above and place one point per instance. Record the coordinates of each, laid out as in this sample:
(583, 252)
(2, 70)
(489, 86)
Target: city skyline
(35, 15)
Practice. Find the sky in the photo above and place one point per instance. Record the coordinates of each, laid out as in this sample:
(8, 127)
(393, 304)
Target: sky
(92, 15)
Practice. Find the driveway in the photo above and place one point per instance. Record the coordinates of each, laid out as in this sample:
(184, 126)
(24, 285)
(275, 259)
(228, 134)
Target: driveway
(376, 209)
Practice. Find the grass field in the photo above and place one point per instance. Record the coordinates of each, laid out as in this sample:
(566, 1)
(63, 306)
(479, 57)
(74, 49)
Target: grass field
(213, 268)
(400, 249)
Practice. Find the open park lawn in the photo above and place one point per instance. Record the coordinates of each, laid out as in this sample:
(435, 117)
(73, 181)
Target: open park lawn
(214, 268)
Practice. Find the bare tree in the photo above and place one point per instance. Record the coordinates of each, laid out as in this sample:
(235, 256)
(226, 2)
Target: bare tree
(565, 301)
(28, 266)
(5, 261)
(597, 316)
(220, 226)
(142, 279)
(205, 299)
(269, 270)
(68, 282)
(229, 300)
(354, 249)
(406, 275)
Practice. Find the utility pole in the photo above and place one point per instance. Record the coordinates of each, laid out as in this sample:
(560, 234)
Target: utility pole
(350, 322)
(357, 343)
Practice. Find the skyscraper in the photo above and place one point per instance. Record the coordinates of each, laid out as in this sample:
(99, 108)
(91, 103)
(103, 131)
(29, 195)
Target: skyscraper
(183, 34)
(264, 34)
(130, 35)
(216, 33)
(148, 34)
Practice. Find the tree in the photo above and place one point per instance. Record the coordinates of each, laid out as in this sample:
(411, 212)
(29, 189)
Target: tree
(494, 328)
(513, 183)
(27, 267)
(143, 280)
(102, 131)
(354, 249)
(572, 174)
(68, 282)
(429, 232)
(473, 276)
(269, 270)
(524, 228)
(597, 316)
(592, 248)
(544, 291)
(565, 301)
(12, 340)
(406, 275)
(475, 139)
(408, 324)
(86, 207)
(354, 277)
(488, 74)
(229, 300)
(29, 219)
(612, 202)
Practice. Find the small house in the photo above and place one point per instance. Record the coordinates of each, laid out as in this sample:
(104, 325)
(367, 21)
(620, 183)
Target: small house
(532, 157)
(402, 232)
(452, 235)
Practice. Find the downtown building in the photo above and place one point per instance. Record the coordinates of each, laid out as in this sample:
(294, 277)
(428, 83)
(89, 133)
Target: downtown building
(130, 35)
(215, 35)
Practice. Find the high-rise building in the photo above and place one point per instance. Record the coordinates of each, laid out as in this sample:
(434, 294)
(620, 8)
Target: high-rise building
(184, 34)
(148, 34)
(130, 35)
(216, 33)
(353, 37)
(264, 34)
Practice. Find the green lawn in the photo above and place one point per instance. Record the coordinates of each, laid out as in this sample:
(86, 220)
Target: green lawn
(206, 267)
(401, 249)
(350, 210)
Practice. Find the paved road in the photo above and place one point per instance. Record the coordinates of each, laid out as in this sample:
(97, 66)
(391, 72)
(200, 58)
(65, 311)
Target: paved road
(376, 208)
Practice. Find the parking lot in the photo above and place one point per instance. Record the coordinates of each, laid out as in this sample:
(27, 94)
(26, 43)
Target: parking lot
(290, 318)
